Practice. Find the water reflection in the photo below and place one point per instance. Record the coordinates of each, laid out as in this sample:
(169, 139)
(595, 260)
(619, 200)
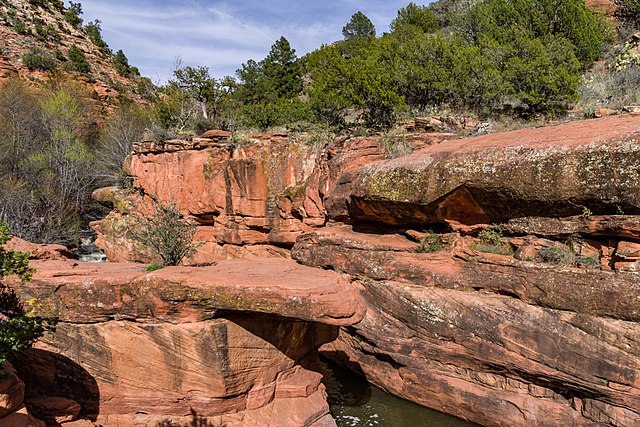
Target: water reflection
(356, 403)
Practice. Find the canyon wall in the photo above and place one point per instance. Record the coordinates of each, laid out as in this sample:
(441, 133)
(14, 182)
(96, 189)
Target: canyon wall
(494, 278)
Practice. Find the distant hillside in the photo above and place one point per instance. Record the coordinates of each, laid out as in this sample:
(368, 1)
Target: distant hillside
(42, 38)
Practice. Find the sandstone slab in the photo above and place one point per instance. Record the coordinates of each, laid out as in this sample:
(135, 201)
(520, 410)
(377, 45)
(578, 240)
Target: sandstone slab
(550, 171)
(89, 292)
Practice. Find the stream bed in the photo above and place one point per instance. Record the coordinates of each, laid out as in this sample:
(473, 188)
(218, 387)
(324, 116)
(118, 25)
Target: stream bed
(356, 403)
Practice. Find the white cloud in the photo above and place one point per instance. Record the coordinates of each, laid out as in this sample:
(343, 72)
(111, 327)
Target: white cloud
(222, 35)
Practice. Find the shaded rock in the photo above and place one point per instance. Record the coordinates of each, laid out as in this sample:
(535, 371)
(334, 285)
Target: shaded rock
(11, 390)
(493, 361)
(21, 418)
(483, 336)
(54, 410)
(128, 373)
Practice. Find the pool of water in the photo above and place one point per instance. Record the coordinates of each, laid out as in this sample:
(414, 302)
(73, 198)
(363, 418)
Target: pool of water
(356, 403)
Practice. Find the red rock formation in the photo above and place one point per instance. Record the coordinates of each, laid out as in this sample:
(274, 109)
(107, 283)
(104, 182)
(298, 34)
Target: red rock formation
(137, 348)
(12, 411)
(493, 338)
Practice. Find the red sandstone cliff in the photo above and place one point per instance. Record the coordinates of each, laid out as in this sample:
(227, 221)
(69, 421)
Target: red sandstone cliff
(514, 338)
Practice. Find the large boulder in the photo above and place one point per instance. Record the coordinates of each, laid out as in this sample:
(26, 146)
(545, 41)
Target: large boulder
(587, 166)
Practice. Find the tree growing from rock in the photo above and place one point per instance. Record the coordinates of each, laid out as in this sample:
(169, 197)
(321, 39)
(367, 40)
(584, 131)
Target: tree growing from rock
(167, 233)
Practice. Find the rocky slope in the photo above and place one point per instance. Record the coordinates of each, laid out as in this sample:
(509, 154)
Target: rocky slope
(499, 273)
(44, 25)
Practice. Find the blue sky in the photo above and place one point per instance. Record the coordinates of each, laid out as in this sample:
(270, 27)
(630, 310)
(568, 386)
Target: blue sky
(224, 34)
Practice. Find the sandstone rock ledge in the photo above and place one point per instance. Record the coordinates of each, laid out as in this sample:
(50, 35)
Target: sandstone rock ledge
(231, 341)
(485, 337)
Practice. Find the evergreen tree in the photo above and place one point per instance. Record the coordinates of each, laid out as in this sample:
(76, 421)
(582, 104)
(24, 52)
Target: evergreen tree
(121, 63)
(277, 76)
(415, 18)
(282, 71)
(358, 27)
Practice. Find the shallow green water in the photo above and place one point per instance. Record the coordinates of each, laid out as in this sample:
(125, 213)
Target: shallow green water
(356, 403)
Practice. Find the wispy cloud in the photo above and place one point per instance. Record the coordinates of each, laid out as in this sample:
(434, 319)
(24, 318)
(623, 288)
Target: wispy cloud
(223, 34)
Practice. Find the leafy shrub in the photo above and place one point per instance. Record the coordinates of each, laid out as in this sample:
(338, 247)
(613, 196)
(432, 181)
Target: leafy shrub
(492, 240)
(121, 63)
(94, 31)
(21, 28)
(167, 233)
(35, 59)
(567, 255)
(78, 60)
(557, 255)
(430, 243)
(18, 331)
(154, 267)
(629, 11)
(59, 55)
(72, 14)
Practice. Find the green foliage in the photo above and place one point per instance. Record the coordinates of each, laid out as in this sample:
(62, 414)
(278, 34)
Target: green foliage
(629, 12)
(121, 64)
(78, 60)
(21, 28)
(541, 76)
(277, 76)
(431, 243)
(154, 267)
(72, 14)
(396, 144)
(492, 240)
(265, 114)
(557, 255)
(568, 255)
(47, 174)
(36, 59)
(415, 18)
(497, 20)
(167, 233)
(12, 262)
(361, 81)
(59, 55)
(358, 27)
(18, 331)
(94, 31)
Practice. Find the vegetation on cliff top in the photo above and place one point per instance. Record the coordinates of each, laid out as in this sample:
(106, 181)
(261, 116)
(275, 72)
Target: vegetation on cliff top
(490, 59)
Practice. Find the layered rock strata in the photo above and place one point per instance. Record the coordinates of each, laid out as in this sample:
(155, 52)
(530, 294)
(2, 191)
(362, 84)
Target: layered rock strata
(233, 342)
(530, 321)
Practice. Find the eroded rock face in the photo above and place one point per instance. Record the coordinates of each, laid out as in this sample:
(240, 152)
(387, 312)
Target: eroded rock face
(135, 348)
(551, 171)
(484, 336)
(252, 200)
(542, 332)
